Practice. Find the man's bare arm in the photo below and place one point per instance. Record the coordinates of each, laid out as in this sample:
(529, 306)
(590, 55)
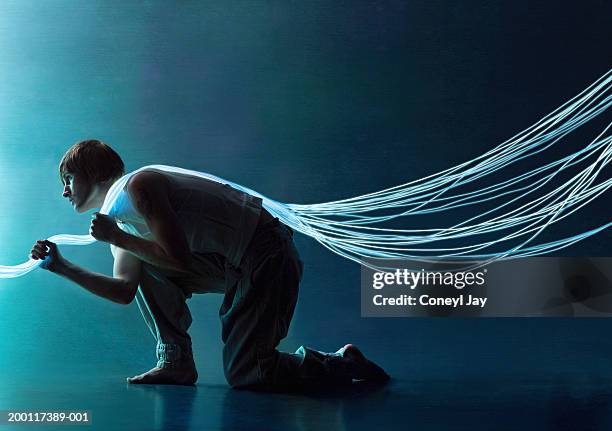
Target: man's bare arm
(150, 252)
(149, 194)
(114, 289)
(121, 288)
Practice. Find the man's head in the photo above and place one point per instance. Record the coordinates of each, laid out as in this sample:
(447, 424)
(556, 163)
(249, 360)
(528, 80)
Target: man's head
(87, 170)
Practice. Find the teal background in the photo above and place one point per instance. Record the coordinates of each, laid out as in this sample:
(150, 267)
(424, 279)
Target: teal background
(304, 102)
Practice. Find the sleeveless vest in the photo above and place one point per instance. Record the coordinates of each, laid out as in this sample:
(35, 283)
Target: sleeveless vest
(215, 217)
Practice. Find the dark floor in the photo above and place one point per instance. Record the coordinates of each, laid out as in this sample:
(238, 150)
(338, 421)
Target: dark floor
(401, 404)
(447, 373)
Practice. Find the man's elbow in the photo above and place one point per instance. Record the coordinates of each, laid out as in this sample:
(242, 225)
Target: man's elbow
(130, 293)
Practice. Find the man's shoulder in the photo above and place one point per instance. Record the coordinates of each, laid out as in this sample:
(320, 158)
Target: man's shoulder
(151, 186)
(146, 179)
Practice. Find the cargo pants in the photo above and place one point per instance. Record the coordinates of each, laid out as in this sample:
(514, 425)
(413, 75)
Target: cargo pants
(259, 301)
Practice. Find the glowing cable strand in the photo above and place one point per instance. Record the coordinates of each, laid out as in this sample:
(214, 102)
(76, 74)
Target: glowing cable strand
(455, 168)
(597, 191)
(581, 186)
(391, 238)
(532, 250)
(563, 131)
(500, 186)
(551, 194)
(459, 181)
(419, 257)
(31, 264)
(546, 247)
(584, 175)
(535, 188)
(549, 221)
(411, 230)
(400, 200)
(602, 187)
(457, 236)
(537, 250)
(395, 255)
(527, 252)
(459, 200)
(390, 252)
(568, 159)
(462, 181)
(388, 216)
(549, 247)
(338, 232)
(562, 243)
(456, 199)
(489, 168)
(318, 205)
(389, 189)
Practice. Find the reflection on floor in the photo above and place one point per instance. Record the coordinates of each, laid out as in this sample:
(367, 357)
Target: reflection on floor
(400, 404)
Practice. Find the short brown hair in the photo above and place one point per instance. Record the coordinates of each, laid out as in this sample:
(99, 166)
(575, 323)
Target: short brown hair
(94, 160)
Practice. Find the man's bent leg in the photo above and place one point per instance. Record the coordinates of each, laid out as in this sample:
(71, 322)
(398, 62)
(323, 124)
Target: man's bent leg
(164, 308)
(259, 302)
(255, 315)
(161, 298)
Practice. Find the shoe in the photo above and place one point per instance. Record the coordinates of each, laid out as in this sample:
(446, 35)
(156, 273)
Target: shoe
(360, 367)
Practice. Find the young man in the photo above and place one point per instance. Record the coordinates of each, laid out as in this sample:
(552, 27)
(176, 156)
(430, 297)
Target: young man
(173, 235)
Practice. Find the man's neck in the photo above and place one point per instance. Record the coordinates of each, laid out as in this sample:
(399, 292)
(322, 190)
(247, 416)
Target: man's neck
(102, 191)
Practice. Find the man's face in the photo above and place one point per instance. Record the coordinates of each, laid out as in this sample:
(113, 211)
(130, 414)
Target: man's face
(78, 191)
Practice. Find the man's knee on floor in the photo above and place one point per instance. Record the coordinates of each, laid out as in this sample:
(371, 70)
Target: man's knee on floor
(242, 374)
(241, 377)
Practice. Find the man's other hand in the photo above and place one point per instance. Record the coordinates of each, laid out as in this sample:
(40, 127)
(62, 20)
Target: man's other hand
(104, 228)
(47, 250)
